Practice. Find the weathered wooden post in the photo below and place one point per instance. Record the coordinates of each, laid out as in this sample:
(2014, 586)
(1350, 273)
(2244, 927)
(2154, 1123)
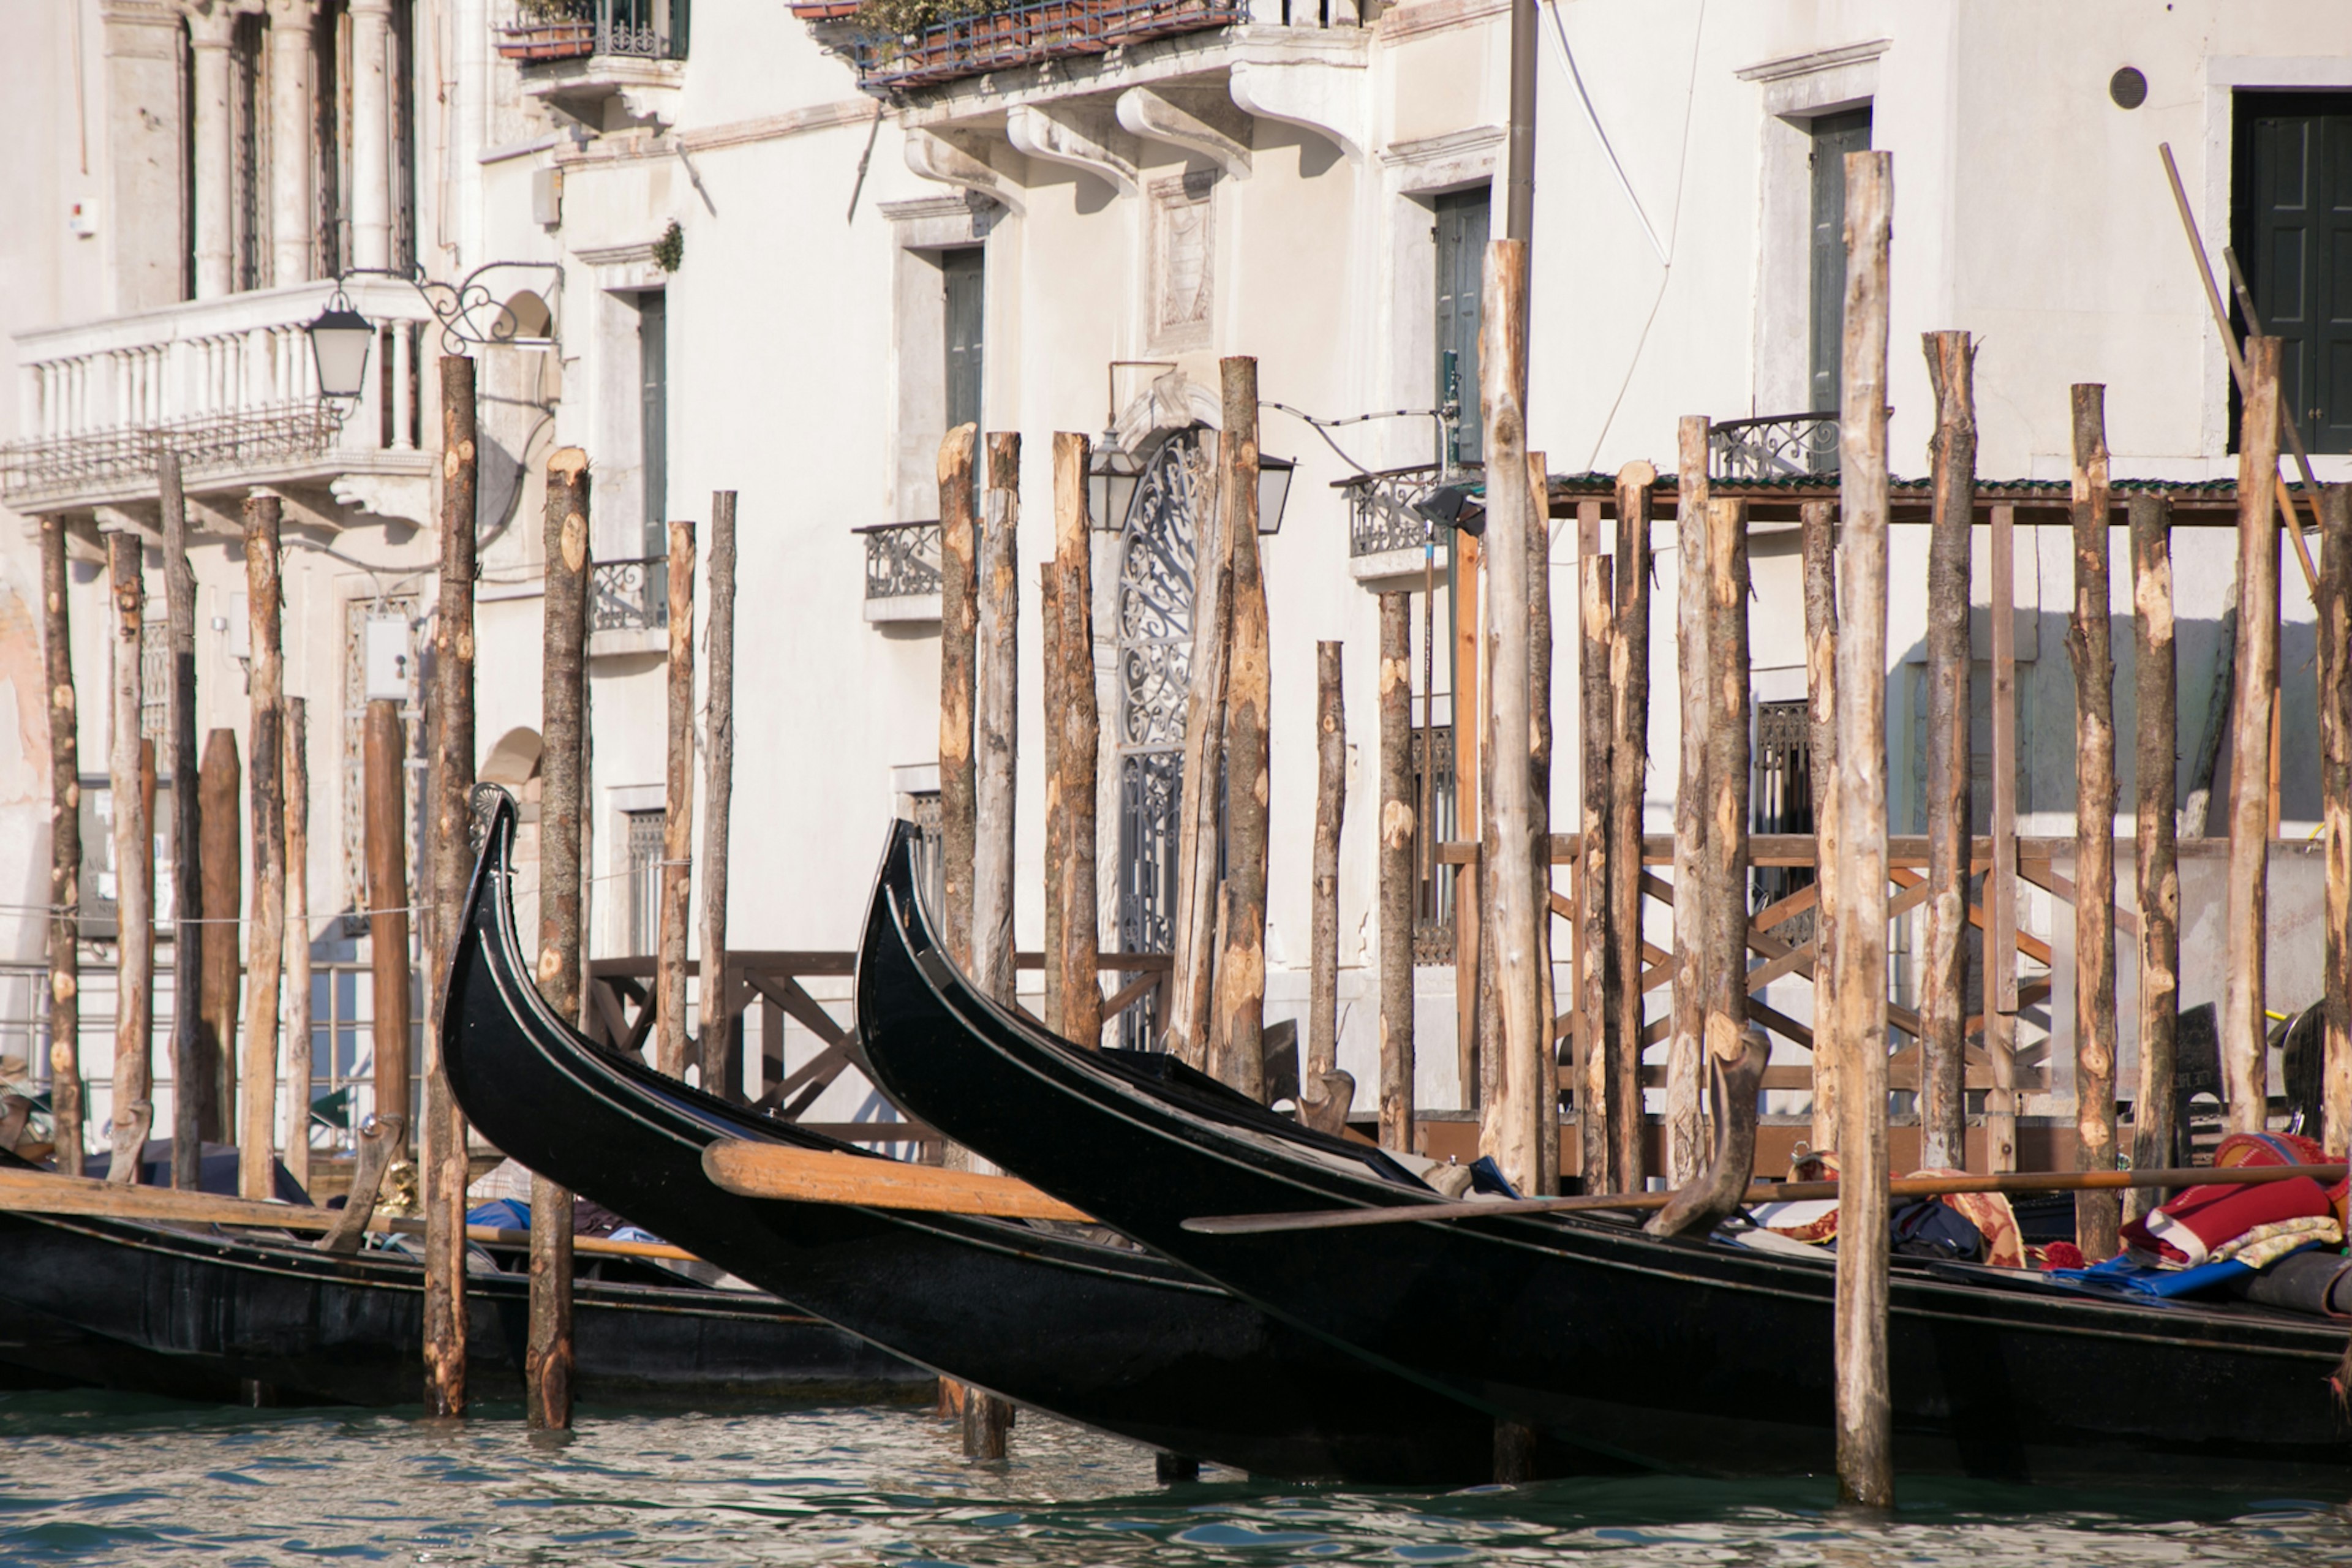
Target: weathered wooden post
(1078, 726)
(1318, 1081)
(2097, 1215)
(2156, 689)
(1629, 766)
(1472, 959)
(300, 1074)
(1685, 1048)
(1819, 530)
(1540, 744)
(2245, 1077)
(446, 1172)
(1601, 1104)
(2334, 608)
(1856, 1024)
(1241, 958)
(66, 1104)
(547, 1357)
(1190, 990)
(722, 1065)
(959, 633)
(1723, 895)
(385, 819)
(993, 730)
(1511, 1129)
(1397, 871)
(185, 1046)
(1943, 1010)
(134, 1083)
(219, 784)
(266, 927)
(678, 815)
(1053, 957)
(2001, 881)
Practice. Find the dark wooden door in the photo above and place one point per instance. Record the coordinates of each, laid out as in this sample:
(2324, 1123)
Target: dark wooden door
(1461, 233)
(2293, 223)
(1835, 135)
(966, 283)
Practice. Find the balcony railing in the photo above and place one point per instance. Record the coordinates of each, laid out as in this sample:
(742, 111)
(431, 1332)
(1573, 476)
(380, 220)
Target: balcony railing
(229, 383)
(1778, 446)
(629, 595)
(577, 29)
(902, 560)
(1381, 518)
(1024, 35)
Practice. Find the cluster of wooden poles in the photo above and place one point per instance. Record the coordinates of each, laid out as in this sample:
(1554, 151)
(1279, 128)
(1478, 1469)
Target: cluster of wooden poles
(277, 927)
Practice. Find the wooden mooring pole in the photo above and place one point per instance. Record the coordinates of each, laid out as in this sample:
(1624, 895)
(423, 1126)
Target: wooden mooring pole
(1944, 967)
(959, 641)
(219, 785)
(2245, 907)
(1323, 1091)
(1723, 894)
(134, 1084)
(1599, 1101)
(266, 794)
(1818, 530)
(67, 1107)
(1629, 784)
(1190, 989)
(1398, 873)
(2156, 721)
(2335, 609)
(184, 1049)
(1053, 957)
(1078, 724)
(1241, 957)
(385, 819)
(562, 796)
(300, 1074)
(677, 814)
(1855, 1025)
(2000, 881)
(722, 1056)
(1685, 1051)
(2097, 1215)
(444, 1169)
(1540, 744)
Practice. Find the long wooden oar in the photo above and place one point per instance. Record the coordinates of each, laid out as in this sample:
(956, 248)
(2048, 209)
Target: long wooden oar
(1769, 1192)
(38, 1191)
(815, 1176)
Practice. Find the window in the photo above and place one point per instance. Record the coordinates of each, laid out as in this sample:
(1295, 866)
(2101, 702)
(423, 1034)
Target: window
(1833, 136)
(962, 272)
(653, 418)
(1433, 814)
(1780, 800)
(2291, 211)
(644, 841)
(1460, 235)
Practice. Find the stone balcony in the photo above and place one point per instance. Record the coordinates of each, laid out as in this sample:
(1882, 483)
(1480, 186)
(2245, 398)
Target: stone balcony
(230, 385)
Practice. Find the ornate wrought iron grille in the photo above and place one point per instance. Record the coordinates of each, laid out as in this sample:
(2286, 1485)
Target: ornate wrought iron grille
(902, 560)
(1783, 801)
(1158, 549)
(1784, 445)
(1379, 510)
(629, 595)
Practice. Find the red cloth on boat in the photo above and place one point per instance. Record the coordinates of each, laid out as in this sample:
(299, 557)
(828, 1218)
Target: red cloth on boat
(2059, 1255)
(2201, 1219)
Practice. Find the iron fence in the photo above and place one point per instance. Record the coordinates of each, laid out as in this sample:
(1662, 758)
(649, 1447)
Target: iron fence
(629, 595)
(1780, 446)
(1380, 515)
(573, 29)
(902, 560)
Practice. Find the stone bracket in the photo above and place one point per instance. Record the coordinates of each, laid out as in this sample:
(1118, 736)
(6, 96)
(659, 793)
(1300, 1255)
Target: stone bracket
(1085, 138)
(1323, 97)
(935, 155)
(1197, 120)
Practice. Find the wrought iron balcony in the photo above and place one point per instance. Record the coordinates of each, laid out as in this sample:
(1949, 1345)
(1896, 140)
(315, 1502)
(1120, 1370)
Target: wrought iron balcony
(902, 571)
(1778, 446)
(1021, 34)
(629, 596)
(581, 30)
(1386, 537)
(229, 384)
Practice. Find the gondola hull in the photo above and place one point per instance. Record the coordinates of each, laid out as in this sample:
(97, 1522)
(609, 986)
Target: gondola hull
(1097, 1333)
(1691, 1355)
(201, 1314)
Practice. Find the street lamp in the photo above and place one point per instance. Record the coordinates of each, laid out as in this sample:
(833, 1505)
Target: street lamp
(1111, 480)
(338, 347)
(1272, 491)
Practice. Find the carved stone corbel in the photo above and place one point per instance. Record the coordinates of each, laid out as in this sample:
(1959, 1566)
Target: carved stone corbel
(1089, 139)
(1196, 120)
(1324, 97)
(935, 155)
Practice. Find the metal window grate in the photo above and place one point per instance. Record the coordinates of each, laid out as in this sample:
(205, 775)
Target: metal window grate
(645, 849)
(1432, 908)
(1781, 801)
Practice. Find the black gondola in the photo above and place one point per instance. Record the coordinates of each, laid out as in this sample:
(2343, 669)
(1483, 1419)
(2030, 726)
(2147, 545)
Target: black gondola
(196, 1312)
(1048, 1316)
(1696, 1354)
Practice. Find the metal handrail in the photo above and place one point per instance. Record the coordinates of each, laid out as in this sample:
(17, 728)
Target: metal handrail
(1023, 34)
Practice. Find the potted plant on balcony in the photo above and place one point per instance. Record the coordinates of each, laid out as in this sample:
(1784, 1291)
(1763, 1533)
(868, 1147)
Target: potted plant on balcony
(549, 30)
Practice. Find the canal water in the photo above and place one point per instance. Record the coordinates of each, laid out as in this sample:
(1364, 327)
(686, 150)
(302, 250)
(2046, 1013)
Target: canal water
(88, 1477)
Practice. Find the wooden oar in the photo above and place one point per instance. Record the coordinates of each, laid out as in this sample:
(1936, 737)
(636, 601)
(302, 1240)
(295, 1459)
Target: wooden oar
(1769, 1192)
(38, 1191)
(815, 1176)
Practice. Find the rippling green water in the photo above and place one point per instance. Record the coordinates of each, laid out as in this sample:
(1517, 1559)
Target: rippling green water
(97, 1478)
